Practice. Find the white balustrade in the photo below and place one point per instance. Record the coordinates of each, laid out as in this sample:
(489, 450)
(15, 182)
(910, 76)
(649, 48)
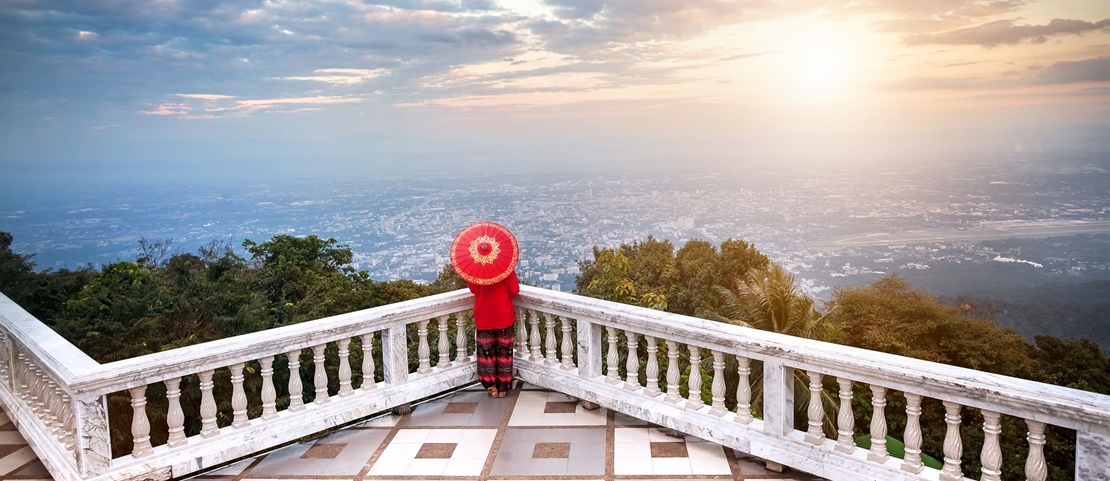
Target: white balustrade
(550, 357)
(815, 413)
(878, 451)
(461, 356)
(845, 419)
(612, 375)
(953, 445)
(296, 395)
(208, 426)
(140, 425)
(368, 367)
(65, 391)
(743, 391)
(567, 345)
(652, 369)
(269, 393)
(632, 364)
(423, 352)
(534, 337)
(991, 456)
(175, 418)
(673, 394)
(693, 401)
(1035, 467)
(320, 375)
(345, 367)
(911, 463)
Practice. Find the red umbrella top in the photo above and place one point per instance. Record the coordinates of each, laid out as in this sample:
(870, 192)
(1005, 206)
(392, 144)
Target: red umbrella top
(484, 253)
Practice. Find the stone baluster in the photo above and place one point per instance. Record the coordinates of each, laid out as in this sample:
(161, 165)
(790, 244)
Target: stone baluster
(296, 398)
(140, 425)
(423, 351)
(652, 370)
(320, 376)
(460, 340)
(612, 375)
(269, 393)
(744, 391)
(718, 386)
(175, 418)
(815, 413)
(878, 452)
(33, 388)
(845, 419)
(444, 343)
(5, 360)
(1035, 467)
(953, 445)
(51, 411)
(567, 346)
(521, 334)
(238, 398)
(911, 462)
(208, 426)
(991, 456)
(368, 367)
(534, 337)
(672, 373)
(21, 377)
(693, 400)
(345, 367)
(551, 357)
(59, 411)
(632, 364)
(70, 439)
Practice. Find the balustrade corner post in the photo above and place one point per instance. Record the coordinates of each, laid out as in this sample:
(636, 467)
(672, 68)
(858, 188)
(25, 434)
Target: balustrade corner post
(93, 443)
(1092, 456)
(589, 349)
(395, 355)
(778, 398)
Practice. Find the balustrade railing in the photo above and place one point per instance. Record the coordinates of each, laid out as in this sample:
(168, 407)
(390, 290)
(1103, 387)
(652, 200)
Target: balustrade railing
(610, 335)
(641, 362)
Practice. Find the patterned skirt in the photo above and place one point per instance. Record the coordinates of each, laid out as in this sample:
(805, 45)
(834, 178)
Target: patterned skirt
(495, 358)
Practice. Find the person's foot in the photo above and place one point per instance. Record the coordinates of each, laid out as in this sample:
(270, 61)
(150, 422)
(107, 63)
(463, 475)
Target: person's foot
(494, 393)
(502, 393)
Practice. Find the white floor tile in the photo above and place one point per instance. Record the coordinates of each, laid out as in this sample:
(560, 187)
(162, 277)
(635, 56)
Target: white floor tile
(670, 466)
(427, 467)
(632, 450)
(444, 436)
(631, 435)
(465, 466)
(631, 466)
(409, 436)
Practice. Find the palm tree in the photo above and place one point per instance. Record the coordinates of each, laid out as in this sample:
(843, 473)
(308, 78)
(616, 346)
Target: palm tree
(769, 299)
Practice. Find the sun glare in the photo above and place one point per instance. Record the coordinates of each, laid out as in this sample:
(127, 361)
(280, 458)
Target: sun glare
(820, 67)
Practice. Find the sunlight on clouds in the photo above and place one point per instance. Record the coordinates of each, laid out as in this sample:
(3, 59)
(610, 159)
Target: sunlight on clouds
(86, 35)
(212, 106)
(342, 76)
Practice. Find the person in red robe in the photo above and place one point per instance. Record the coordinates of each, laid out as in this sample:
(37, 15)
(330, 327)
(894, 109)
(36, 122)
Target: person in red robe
(493, 317)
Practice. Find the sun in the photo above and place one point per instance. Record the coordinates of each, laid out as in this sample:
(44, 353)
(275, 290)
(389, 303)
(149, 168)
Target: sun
(820, 67)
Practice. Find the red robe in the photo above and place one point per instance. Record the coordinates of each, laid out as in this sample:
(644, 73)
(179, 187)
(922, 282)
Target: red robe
(493, 304)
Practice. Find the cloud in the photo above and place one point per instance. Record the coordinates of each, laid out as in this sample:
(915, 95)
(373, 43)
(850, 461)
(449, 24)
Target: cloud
(1089, 70)
(205, 96)
(1004, 32)
(168, 109)
(211, 106)
(342, 76)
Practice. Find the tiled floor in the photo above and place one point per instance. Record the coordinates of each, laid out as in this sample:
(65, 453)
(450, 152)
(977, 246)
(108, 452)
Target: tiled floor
(531, 434)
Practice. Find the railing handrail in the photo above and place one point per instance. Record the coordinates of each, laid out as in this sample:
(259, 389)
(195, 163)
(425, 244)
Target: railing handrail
(1071, 408)
(53, 353)
(81, 375)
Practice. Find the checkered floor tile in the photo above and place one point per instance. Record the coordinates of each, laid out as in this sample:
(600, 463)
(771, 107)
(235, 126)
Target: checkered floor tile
(532, 434)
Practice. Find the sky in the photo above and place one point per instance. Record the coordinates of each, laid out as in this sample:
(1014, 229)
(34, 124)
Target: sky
(186, 85)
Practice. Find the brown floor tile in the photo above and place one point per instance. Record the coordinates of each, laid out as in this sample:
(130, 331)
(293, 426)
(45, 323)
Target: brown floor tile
(559, 407)
(436, 451)
(460, 408)
(551, 450)
(323, 451)
(669, 450)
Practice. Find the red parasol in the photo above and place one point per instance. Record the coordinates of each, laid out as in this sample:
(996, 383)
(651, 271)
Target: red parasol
(484, 253)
